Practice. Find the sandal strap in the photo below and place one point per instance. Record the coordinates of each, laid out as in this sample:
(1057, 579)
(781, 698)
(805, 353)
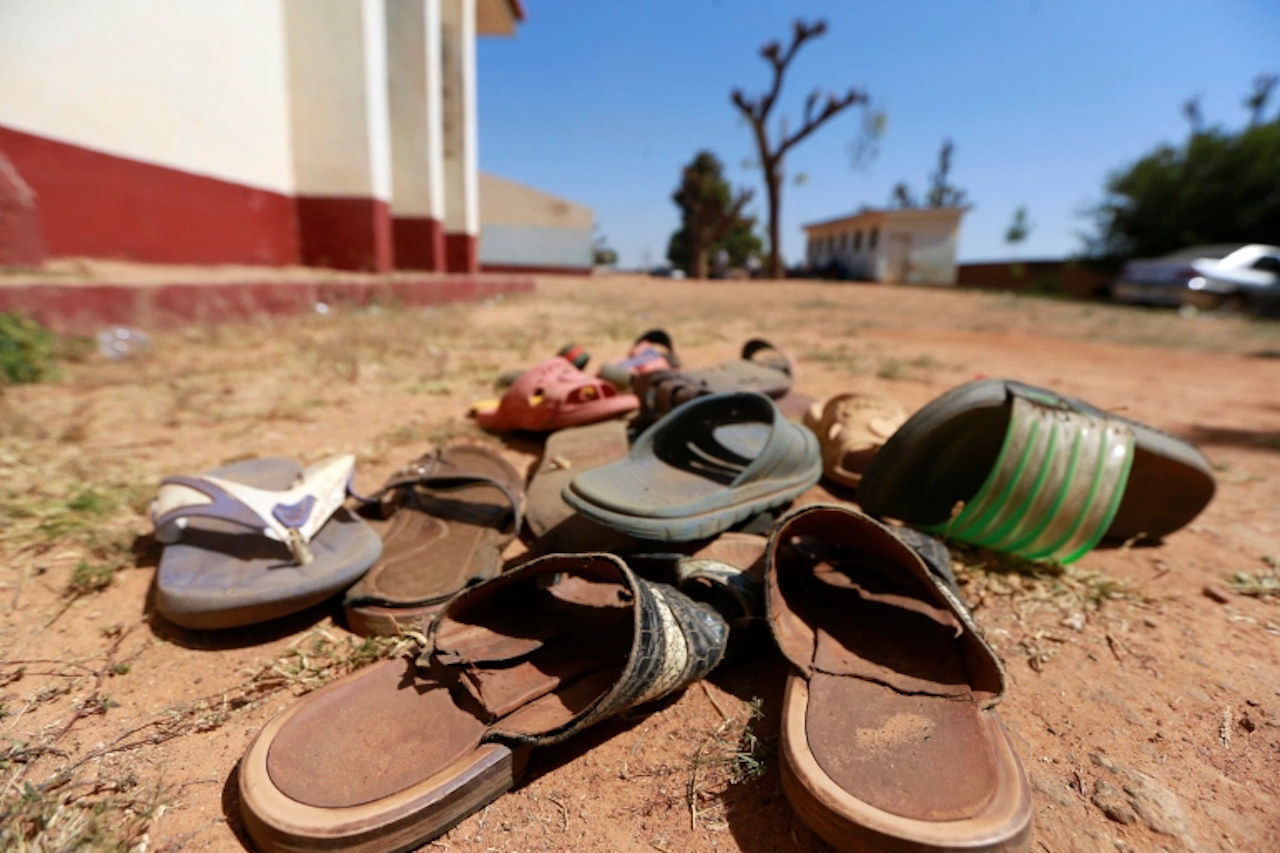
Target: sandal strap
(675, 642)
(661, 391)
(663, 339)
(1055, 487)
(435, 472)
(292, 516)
(774, 357)
(738, 588)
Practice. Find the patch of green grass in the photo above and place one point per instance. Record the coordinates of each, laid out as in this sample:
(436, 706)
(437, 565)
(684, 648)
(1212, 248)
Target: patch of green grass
(924, 362)
(88, 578)
(27, 350)
(896, 368)
(892, 369)
(842, 358)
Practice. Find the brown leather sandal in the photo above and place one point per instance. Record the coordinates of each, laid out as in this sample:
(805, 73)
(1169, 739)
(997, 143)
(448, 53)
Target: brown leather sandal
(394, 755)
(448, 517)
(890, 738)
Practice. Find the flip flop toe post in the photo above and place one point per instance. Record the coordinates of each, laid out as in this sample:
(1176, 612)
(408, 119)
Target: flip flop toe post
(256, 540)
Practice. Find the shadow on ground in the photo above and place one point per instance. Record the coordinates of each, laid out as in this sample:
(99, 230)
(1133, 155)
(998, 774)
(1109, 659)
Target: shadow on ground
(1228, 437)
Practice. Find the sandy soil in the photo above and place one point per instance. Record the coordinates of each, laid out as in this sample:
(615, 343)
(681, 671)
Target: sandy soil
(1143, 680)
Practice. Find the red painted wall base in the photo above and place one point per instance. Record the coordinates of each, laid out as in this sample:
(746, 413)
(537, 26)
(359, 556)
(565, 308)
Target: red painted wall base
(89, 307)
(534, 269)
(20, 242)
(345, 233)
(462, 252)
(98, 205)
(419, 243)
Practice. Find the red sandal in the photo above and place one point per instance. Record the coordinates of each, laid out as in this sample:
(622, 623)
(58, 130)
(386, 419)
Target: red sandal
(552, 396)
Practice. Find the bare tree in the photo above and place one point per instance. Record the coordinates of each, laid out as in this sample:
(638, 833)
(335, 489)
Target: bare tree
(901, 197)
(941, 192)
(1256, 103)
(758, 111)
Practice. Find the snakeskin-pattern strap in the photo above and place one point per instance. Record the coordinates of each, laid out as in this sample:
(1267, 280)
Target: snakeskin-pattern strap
(739, 590)
(676, 641)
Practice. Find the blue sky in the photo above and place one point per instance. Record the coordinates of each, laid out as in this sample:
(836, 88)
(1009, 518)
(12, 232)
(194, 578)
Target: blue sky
(603, 102)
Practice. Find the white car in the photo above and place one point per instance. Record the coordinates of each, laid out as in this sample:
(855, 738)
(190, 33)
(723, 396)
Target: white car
(1248, 279)
(1236, 277)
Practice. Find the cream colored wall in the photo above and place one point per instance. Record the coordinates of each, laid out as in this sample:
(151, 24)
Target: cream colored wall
(504, 202)
(337, 63)
(414, 83)
(932, 256)
(933, 251)
(461, 159)
(197, 85)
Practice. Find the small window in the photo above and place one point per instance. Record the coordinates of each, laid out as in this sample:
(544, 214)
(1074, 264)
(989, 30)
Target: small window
(844, 241)
(1267, 263)
(857, 241)
(873, 239)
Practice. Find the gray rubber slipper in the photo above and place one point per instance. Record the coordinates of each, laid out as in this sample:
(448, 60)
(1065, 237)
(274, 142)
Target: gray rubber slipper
(1031, 472)
(567, 453)
(763, 368)
(222, 574)
(711, 463)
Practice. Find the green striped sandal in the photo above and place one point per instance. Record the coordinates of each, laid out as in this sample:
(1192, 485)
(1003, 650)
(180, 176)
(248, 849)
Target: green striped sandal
(1027, 471)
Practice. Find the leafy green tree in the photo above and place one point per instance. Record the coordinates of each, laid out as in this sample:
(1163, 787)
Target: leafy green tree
(711, 218)
(1019, 229)
(1217, 187)
(601, 254)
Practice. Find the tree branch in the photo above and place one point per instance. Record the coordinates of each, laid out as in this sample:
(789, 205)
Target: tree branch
(833, 107)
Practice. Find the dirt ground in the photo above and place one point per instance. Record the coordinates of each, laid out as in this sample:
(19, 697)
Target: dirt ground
(1143, 680)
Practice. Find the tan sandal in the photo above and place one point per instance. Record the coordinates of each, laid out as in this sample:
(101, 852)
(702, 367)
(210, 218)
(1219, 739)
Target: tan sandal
(851, 428)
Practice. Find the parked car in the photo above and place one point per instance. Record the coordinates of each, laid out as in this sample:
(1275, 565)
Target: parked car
(1248, 279)
(666, 272)
(1164, 280)
(1242, 278)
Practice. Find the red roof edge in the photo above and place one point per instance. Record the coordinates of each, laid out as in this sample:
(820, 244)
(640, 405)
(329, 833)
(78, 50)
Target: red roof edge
(517, 9)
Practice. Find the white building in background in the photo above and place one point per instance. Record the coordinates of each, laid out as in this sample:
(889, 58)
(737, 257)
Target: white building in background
(916, 246)
(336, 133)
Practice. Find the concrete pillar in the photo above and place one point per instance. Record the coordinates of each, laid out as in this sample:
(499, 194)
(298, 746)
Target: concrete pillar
(337, 61)
(461, 161)
(417, 143)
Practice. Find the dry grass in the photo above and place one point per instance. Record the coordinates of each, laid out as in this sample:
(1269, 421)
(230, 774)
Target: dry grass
(80, 803)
